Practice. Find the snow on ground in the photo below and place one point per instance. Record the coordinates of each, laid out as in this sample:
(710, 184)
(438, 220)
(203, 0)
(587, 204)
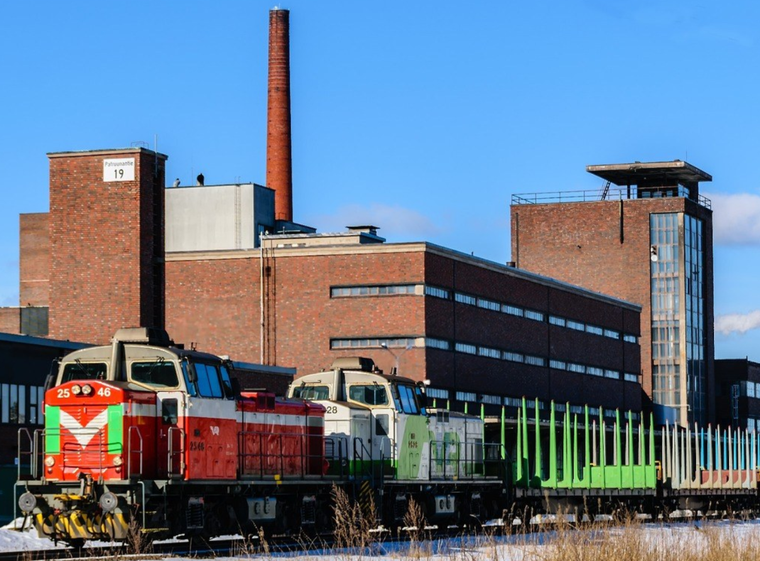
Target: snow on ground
(673, 538)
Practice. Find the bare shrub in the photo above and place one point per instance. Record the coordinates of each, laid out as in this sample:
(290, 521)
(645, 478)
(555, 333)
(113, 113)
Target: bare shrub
(352, 525)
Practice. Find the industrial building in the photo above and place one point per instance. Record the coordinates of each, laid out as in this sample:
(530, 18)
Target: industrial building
(648, 241)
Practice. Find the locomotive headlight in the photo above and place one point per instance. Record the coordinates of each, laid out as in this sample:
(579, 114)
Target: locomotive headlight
(76, 389)
(50, 461)
(27, 502)
(87, 389)
(118, 460)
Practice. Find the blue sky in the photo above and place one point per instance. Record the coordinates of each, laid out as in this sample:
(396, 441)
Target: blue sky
(421, 117)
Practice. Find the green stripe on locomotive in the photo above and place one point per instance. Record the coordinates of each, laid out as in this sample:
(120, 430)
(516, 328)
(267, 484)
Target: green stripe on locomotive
(114, 424)
(534, 468)
(52, 429)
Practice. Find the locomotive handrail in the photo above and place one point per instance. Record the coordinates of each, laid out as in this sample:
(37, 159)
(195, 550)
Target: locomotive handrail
(170, 453)
(463, 462)
(269, 459)
(20, 454)
(130, 450)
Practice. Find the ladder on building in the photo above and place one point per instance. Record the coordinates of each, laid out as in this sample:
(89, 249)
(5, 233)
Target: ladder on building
(606, 190)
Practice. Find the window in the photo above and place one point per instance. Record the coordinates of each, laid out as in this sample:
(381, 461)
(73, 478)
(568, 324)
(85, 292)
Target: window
(512, 310)
(372, 343)
(489, 352)
(157, 373)
(573, 367)
(535, 360)
(558, 364)
(437, 292)
(437, 393)
(84, 371)
(578, 326)
(611, 333)
(628, 377)
(594, 371)
(311, 392)
(492, 399)
(378, 290)
(406, 399)
(594, 329)
(613, 374)
(750, 389)
(368, 394)
(489, 304)
(432, 343)
(465, 348)
(466, 396)
(208, 380)
(556, 320)
(532, 314)
(513, 401)
(465, 299)
(628, 338)
(513, 357)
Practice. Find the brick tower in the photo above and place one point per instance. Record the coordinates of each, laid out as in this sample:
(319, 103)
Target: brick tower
(106, 242)
(648, 241)
(279, 164)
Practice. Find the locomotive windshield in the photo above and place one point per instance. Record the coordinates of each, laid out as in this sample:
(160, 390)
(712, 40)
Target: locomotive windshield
(369, 394)
(312, 392)
(158, 374)
(406, 398)
(207, 380)
(84, 371)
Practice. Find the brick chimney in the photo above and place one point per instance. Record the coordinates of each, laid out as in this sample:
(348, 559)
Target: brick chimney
(279, 166)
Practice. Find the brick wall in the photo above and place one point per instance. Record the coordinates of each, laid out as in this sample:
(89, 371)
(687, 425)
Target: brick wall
(10, 320)
(215, 303)
(106, 245)
(605, 246)
(34, 259)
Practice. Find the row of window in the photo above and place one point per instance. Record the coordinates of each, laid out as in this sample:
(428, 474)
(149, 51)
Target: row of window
(511, 309)
(21, 405)
(471, 300)
(749, 389)
(471, 397)
(479, 350)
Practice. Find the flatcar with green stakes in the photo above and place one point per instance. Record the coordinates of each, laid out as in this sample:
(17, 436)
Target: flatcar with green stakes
(580, 463)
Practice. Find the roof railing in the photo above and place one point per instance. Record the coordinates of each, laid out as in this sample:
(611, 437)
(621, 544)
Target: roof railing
(623, 193)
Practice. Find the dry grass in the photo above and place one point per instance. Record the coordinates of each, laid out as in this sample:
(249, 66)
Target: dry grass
(685, 542)
(353, 528)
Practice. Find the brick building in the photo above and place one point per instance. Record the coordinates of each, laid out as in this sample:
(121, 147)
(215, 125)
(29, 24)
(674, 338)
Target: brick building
(737, 389)
(479, 331)
(106, 228)
(648, 242)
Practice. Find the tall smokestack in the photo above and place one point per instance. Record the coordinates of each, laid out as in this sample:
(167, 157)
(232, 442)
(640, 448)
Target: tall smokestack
(279, 165)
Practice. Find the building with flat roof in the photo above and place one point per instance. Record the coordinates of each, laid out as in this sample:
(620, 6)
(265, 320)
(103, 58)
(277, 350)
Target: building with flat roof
(479, 331)
(647, 240)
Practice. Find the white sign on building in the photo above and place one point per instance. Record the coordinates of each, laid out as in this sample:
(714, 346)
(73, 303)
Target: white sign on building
(119, 169)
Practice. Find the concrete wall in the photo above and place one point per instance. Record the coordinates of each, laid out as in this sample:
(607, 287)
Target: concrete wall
(217, 217)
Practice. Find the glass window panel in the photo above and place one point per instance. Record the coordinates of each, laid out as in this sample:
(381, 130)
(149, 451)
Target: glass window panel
(22, 405)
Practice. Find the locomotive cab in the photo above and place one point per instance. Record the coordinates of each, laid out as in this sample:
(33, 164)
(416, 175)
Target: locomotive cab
(390, 426)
